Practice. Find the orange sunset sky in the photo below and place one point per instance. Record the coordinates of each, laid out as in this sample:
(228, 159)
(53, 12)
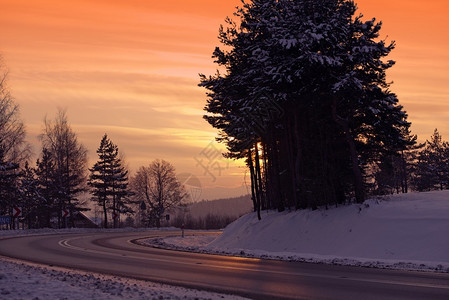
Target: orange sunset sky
(130, 68)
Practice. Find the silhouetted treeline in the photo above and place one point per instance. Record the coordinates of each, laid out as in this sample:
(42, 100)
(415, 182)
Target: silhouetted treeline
(211, 221)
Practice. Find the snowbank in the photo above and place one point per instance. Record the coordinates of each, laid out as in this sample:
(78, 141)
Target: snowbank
(28, 281)
(407, 231)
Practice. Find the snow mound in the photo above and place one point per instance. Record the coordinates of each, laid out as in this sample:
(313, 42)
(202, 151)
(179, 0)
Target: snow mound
(407, 231)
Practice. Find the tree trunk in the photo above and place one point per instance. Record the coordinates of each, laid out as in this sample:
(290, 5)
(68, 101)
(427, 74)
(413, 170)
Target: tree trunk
(291, 163)
(105, 212)
(296, 139)
(114, 209)
(276, 174)
(267, 195)
(404, 174)
(158, 220)
(251, 172)
(257, 180)
(358, 179)
(59, 213)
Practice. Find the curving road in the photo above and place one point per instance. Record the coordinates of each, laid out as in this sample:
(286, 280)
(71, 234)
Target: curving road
(115, 253)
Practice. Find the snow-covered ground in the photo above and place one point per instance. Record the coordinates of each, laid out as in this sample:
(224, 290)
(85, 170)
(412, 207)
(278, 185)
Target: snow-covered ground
(27, 281)
(407, 231)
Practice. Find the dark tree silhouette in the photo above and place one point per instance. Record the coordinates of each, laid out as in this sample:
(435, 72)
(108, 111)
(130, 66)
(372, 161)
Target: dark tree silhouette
(109, 181)
(304, 99)
(70, 158)
(158, 187)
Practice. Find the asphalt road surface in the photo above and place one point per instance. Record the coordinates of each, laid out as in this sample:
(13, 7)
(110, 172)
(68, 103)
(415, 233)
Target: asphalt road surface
(115, 253)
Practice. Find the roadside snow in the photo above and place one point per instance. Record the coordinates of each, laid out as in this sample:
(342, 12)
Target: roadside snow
(407, 231)
(28, 281)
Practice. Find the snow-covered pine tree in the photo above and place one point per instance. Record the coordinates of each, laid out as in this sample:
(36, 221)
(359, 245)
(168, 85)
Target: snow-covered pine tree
(322, 68)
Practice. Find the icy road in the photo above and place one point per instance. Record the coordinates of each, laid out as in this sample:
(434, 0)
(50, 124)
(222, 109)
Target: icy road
(116, 253)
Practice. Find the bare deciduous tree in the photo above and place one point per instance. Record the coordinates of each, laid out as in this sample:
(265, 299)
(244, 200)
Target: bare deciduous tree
(158, 187)
(70, 160)
(12, 129)
(13, 148)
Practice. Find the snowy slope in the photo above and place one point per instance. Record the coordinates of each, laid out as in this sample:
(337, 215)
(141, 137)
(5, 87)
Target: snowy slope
(402, 231)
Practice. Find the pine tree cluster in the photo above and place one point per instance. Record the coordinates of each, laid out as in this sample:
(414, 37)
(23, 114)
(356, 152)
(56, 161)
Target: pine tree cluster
(430, 165)
(304, 99)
